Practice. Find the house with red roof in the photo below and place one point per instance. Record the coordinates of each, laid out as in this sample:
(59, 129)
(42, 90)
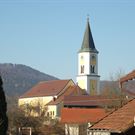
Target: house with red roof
(45, 92)
(119, 122)
(77, 120)
(50, 94)
(87, 101)
(80, 112)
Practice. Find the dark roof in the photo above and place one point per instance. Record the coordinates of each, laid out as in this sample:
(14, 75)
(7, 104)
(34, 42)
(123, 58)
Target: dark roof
(70, 91)
(86, 100)
(119, 121)
(88, 43)
(82, 115)
(46, 88)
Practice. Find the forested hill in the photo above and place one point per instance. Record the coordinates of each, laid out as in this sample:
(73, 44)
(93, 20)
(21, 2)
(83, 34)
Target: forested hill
(19, 78)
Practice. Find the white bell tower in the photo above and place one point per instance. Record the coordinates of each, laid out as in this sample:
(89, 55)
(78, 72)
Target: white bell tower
(88, 77)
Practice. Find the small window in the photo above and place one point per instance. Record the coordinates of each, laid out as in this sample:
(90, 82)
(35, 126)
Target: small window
(92, 69)
(82, 57)
(82, 69)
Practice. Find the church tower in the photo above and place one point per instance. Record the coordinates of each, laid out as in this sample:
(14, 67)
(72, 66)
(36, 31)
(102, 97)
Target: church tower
(88, 77)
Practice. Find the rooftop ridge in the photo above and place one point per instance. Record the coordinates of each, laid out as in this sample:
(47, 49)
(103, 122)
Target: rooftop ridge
(130, 101)
(46, 88)
(53, 81)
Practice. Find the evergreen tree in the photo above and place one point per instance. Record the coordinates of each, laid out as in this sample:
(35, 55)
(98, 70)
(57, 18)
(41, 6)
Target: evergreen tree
(3, 110)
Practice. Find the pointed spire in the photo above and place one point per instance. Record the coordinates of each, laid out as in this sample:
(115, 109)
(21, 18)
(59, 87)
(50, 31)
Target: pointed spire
(88, 43)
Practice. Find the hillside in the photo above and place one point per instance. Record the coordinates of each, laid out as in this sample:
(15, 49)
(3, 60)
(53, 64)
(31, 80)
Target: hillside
(19, 78)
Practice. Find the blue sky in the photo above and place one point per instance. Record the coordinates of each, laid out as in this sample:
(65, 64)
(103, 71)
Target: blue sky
(47, 34)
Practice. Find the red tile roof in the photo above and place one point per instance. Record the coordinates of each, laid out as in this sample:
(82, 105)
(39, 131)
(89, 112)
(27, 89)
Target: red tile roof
(118, 121)
(72, 90)
(87, 100)
(127, 77)
(46, 88)
(82, 115)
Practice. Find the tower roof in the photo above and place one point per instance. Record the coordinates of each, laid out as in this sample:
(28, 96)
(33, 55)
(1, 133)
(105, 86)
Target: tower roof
(88, 43)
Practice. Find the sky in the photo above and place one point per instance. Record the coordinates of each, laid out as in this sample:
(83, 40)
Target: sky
(47, 34)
